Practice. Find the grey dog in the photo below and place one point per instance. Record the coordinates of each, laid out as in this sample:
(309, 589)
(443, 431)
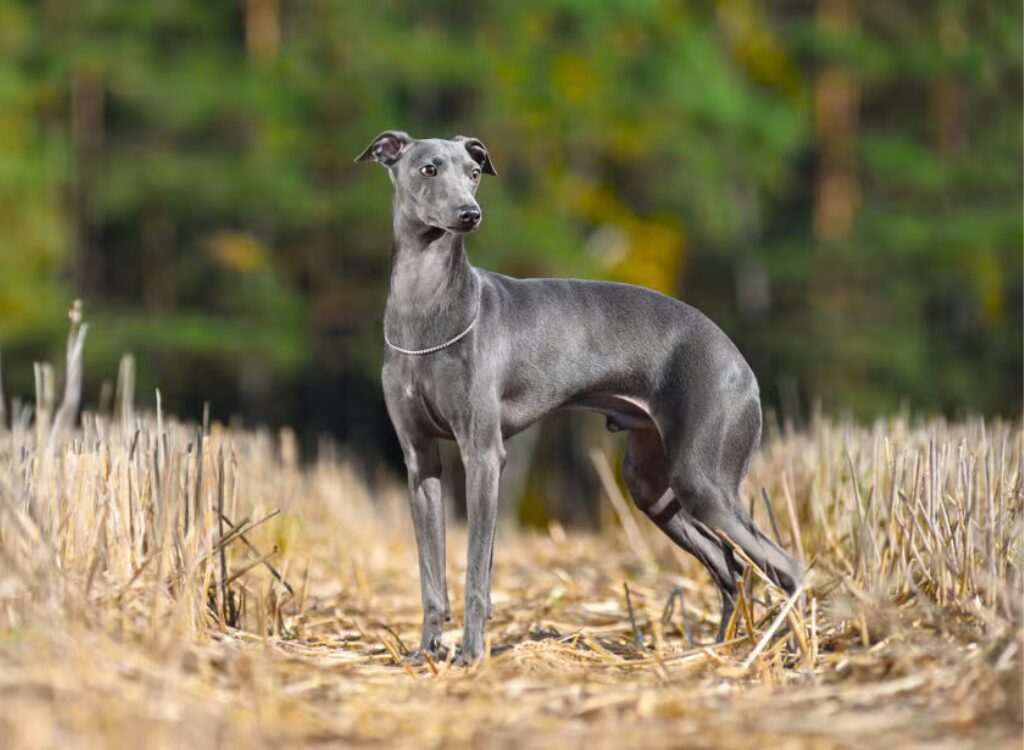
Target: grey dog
(477, 357)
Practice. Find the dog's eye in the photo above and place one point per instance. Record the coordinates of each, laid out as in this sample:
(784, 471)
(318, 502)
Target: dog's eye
(428, 170)
(475, 174)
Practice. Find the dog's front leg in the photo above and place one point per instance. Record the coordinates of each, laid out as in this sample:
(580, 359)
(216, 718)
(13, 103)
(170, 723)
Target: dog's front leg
(427, 504)
(483, 471)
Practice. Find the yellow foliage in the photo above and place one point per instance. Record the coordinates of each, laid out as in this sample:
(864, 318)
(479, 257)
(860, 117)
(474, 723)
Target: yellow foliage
(756, 47)
(654, 256)
(630, 138)
(595, 202)
(648, 251)
(574, 78)
(989, 282)
(237, 251)
(536, 26)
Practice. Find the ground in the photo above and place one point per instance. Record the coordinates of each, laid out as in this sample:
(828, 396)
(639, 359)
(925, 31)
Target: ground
(113, 632)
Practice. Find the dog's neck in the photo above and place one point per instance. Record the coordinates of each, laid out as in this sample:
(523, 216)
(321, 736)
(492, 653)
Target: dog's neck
(433, 291)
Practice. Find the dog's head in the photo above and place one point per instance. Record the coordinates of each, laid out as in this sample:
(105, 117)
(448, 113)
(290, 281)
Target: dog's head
(435, 179)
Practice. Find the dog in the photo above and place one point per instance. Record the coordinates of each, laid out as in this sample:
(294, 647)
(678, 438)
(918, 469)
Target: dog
(477, 357)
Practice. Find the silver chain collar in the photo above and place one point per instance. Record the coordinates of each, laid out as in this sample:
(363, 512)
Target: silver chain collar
(439, 347)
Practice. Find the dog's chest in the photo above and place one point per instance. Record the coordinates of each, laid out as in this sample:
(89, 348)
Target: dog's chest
(427, 394)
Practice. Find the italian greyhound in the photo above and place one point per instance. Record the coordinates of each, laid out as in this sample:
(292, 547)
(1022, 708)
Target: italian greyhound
(476, 357)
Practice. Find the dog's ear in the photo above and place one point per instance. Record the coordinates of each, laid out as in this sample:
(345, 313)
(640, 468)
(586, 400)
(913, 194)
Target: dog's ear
(386, 147)
(478, 152)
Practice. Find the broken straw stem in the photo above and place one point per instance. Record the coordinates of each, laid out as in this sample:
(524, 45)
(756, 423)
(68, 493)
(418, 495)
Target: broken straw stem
(779, 619)
(637, 635)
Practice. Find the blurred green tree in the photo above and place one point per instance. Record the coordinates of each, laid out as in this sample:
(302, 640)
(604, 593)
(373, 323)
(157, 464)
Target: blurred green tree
(838, 185)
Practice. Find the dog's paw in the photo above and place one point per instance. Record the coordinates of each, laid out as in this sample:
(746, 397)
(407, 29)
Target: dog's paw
(466, 658)
(419, 657)
(414, 659)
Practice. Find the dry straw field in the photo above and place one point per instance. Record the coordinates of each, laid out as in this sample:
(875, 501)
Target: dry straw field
(165, 584)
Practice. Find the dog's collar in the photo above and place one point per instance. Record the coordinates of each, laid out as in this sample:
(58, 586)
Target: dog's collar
(439, 347)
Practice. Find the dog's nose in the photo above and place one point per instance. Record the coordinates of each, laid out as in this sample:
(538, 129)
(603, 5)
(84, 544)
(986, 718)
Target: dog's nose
(469, 217)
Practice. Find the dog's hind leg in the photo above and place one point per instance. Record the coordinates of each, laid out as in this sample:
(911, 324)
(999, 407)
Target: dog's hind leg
(709, 454)
(645, 472)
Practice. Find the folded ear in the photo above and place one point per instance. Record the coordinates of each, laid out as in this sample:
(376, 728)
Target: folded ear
(478, 152)
(386, 147)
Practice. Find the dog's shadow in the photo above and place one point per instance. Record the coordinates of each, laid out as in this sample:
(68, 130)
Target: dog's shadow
(594, 643)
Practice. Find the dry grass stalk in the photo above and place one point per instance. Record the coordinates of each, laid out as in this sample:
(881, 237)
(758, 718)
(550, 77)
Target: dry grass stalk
(619, 503)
